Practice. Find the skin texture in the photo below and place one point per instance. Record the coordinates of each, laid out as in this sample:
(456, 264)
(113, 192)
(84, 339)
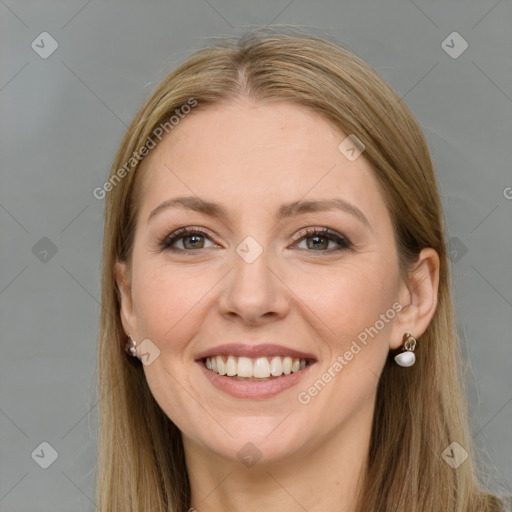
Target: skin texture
(252, 158)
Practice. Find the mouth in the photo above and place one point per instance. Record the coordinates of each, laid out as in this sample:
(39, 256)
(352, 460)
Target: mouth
(259, 369)
(254, 371)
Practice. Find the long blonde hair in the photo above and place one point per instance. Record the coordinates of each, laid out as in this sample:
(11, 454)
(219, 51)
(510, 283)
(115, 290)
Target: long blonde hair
(419, 412)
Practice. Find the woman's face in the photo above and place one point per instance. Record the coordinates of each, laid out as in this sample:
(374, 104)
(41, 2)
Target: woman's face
(252, 283)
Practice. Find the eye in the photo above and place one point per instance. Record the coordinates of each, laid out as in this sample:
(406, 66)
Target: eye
(323, 240)
(316, 239)
(190, 238)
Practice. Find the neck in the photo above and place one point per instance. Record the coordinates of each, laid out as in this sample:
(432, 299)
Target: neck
(324, 476)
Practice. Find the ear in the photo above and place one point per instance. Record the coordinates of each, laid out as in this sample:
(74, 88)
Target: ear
(418, 298)
(123, 281)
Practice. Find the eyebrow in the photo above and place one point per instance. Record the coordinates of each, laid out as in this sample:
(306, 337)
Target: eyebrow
(291, 209)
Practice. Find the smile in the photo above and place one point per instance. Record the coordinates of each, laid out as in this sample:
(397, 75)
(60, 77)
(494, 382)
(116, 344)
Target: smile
(254, 369)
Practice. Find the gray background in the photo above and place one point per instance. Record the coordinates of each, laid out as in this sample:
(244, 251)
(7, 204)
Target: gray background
(62, 119)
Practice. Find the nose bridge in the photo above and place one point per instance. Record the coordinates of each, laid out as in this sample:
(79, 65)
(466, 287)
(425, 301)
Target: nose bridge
(253, 291)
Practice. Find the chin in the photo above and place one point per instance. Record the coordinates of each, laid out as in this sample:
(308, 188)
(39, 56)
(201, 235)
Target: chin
(255, 440)
(252, 450)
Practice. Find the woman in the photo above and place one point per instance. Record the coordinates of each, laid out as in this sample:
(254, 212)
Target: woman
(277, 329)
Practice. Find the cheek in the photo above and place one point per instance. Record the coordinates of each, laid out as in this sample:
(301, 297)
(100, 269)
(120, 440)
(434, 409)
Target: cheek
(165, 300)
(348, 299)
(354, 306)
(355, 312)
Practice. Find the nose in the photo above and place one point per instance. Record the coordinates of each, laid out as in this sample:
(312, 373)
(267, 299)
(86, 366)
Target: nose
(253, 292)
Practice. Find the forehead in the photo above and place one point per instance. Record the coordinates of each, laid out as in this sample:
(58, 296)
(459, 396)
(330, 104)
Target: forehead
(245, 155)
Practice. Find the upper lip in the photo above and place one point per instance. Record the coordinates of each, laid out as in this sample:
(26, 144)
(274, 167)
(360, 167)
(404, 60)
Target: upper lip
(253, 351)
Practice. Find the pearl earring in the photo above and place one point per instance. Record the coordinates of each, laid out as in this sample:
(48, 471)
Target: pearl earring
(131, 347)
(407, 357)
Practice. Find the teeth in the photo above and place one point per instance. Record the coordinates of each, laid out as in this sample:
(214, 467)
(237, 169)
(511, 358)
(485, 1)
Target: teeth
(230, 366)
(259, 368)
(220, 366)
(276, 366)
(244, 368)
(287, 365)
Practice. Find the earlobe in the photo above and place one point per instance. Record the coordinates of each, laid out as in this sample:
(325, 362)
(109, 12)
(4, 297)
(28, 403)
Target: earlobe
(123, 281)
(418, 298)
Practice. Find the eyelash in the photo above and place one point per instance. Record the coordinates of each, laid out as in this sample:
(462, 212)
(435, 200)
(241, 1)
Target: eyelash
(343, 242)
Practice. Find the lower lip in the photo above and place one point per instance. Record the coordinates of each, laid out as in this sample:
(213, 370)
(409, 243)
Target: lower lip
(254, 389)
